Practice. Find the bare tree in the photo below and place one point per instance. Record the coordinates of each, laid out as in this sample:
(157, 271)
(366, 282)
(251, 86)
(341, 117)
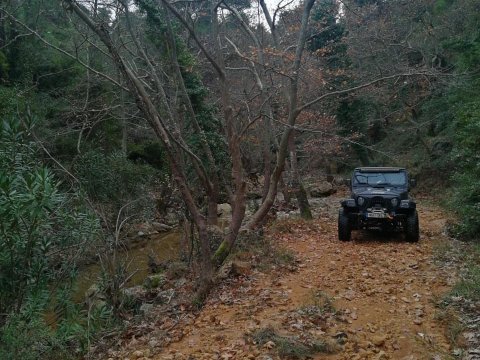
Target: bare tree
(278, 88)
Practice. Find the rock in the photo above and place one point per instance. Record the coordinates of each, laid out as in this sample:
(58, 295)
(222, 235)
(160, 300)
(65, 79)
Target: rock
(381, 356)
(135, 293)
(322, 189)
(165, 296)
(161, 227)
(419, 313)
(224, 210)
(137, 354)
(266, 357)
(457, 352)
(99, 303)
(364, 345)
(234, 268)
(280, 196)
(341, 337)
(225, 270)
(418, 321)
(146, 309)
(92, 291)
(153, 343)
(349, 295)
(241, 268)
(379, 340)
(214, 230)
(269, 344)
(154, 281)
(171, 219)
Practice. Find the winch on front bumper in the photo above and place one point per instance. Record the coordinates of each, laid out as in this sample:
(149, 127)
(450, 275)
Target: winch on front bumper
(377, 214)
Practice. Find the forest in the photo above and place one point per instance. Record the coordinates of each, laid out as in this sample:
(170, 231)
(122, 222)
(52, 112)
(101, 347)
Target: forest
(125, 122)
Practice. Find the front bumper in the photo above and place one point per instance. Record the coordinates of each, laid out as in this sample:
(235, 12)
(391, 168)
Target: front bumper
(376, 219)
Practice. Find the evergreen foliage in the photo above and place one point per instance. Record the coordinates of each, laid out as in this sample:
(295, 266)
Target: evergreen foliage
(44, 231)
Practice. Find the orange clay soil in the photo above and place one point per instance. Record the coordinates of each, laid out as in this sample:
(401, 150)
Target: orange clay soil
(383, 291)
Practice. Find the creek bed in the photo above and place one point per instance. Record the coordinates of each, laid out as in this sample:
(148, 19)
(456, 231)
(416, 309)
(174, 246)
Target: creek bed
(164, 246)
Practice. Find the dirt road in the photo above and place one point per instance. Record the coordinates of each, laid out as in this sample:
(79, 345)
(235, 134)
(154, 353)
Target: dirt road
(371, 298)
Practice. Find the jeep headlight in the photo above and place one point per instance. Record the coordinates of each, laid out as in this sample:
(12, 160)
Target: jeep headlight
(360, 201)
(394, 202)
(350, 202)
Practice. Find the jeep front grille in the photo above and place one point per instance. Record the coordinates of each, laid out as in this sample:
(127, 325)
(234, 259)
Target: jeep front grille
(377, 201)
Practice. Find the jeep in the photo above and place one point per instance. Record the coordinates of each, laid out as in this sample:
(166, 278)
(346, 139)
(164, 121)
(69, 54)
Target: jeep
(379, 200)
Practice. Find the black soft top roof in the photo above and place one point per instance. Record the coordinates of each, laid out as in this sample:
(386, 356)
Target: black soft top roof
(379, 169)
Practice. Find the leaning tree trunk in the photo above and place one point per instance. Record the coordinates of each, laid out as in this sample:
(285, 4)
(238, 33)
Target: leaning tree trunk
(213, 191)
(151, 114)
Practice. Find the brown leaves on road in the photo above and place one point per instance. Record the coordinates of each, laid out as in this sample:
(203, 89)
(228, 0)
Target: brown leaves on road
(372, 298)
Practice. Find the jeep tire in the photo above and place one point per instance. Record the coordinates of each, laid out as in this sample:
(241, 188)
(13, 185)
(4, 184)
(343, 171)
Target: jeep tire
(344, 226)
(412, 230)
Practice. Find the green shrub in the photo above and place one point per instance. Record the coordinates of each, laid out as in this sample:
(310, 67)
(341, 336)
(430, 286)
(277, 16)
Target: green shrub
(44, 232)
(30, 339)
(112, 178)
(466, 187)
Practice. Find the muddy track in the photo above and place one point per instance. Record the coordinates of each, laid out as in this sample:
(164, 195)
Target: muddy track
(383, 292)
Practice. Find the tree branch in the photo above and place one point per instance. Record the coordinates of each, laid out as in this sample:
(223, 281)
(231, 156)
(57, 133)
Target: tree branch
(42, 39)
(355, 88)
(192, 33)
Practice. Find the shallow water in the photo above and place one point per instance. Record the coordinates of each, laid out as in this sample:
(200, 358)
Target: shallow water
(163, 247)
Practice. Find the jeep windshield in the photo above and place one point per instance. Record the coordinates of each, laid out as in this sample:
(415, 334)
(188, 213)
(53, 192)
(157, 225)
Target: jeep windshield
(380, 178)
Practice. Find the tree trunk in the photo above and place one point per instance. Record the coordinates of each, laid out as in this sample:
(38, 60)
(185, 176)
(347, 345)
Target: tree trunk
(293, 113)
(297, 185)
(212, 213)
(239, 195)
(285, 191)
(213, 193)
(149, 111)
(3, 39)
(268, 140)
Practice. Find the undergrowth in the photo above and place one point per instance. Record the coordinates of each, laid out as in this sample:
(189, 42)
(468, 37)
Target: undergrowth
(290, 347)
(469, 287)
(263, 252)
(319, 303)
(469, 284)
(455, 307)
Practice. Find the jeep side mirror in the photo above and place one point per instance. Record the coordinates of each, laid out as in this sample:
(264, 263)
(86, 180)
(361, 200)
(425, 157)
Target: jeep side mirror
(413, 183)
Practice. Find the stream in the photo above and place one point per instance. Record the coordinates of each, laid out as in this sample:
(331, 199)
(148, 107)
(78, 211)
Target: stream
(163, 246)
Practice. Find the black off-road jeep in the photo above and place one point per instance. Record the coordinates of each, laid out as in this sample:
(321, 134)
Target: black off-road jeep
(379, 200)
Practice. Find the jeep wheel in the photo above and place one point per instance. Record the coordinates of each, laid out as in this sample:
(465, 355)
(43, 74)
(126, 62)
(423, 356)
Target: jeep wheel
(412, 230)
(344, 228)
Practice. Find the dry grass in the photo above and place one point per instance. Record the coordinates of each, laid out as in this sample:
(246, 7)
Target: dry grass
(289, 347)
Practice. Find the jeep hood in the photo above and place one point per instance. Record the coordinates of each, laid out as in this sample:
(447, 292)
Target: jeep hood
(387, 192)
